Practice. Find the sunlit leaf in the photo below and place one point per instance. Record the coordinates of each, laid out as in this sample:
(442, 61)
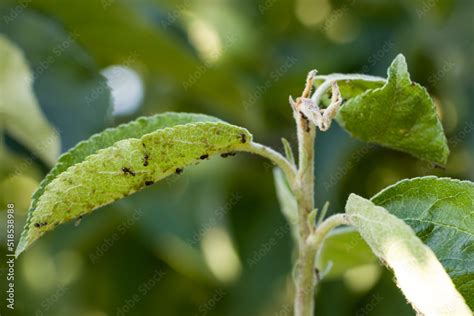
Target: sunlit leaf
(132, 157)
(440, 211)
(20, 113)
(419, 274)
(399, 115)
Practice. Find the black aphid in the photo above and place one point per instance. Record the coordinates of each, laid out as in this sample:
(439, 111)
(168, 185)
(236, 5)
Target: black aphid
(145, 159)
(147, 183)
(128, 171)
(243, 138)
(204, 157)
(225, 155)
(179, 171)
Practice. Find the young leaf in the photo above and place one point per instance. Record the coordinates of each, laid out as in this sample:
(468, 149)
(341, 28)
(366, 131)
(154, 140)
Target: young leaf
(419, 274)
(287, 201)
(89, 177)
(351, 85)
(17, 100)
(399, 115)
(342, 250)
(440, 211)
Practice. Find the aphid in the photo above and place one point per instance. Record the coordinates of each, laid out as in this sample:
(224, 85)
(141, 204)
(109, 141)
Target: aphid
(78, 221)
(225, 155)
(128, 171)
(243, 138)
(179, 171)
(37, 225)
(147, 183)
(145, 159)
(204, 157)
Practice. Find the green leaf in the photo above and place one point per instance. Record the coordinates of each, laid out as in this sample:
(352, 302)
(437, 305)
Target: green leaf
(116, 32)
(122, 160)
(287, 201)
(68, 83)
(20, 113)
(342, 250)
(351, 85)
(399, 115)
(419, 274)
(440, 211)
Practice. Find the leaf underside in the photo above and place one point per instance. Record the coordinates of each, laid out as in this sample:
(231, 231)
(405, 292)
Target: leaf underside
(441, 212)
(121, 161)
(400, 115)
(342, 250)
(419, 274)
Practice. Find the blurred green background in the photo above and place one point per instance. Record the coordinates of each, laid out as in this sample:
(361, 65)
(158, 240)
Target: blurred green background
(213, 241)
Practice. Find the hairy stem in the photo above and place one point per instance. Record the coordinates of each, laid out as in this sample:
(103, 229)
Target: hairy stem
(275, 157)
(310, 237)
(305, 280)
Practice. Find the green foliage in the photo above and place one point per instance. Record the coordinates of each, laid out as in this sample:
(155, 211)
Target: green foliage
(286, 200)
(67, 81)
(343, 250)
(440, 212)
(17, 99)
(419, 274)
(145, 43)
(399, 115)
(351, 85)
(123, 160)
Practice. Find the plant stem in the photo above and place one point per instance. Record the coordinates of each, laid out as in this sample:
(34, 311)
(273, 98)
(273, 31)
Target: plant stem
(288, 169)
(305, 280)
(310, 237)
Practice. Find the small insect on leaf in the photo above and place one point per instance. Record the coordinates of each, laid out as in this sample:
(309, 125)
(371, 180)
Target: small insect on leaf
(243, 138)
(230, 154)
(147, 183)
(204, 157)
(179, 170)
(128, 171)
(145, 160)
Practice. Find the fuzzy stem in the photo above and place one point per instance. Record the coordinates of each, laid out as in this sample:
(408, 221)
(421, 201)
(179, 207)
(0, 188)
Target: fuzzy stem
(274, 156)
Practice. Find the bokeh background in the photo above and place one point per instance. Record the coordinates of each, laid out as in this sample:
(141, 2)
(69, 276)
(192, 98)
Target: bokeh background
(213, 241)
